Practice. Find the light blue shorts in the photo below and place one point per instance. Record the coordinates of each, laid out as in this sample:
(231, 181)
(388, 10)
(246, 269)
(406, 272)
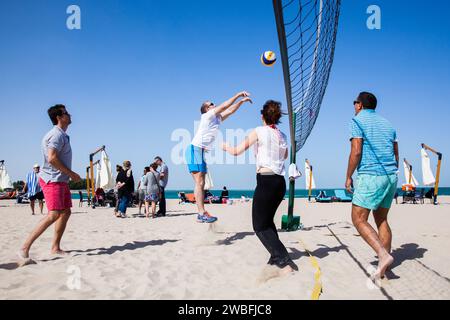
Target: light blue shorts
(374, 192)
(195, 159)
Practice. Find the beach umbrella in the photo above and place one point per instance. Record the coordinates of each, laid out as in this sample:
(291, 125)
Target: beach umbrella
(105, 179)
(5, 180)
(309, 177)
(409, 177)
(427, 174)
(97, 175)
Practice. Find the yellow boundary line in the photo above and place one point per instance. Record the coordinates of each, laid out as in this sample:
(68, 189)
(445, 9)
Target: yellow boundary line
(317, 290)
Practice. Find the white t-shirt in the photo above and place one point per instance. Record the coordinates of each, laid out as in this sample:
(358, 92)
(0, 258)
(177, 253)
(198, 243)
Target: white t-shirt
(207, 130)
(270, 149)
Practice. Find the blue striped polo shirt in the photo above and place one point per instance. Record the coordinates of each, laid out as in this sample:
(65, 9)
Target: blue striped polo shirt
(33, 186)
(378, 136)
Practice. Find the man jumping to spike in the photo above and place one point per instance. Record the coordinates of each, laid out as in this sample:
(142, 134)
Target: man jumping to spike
(212, 117)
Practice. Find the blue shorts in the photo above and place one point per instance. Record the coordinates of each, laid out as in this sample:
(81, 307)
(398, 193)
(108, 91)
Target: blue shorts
(195, 159)
(374, 192)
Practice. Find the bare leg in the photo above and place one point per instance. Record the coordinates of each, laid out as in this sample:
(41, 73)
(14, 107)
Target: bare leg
(41, 206)
(32, 206)
(140, 206)
(199, 178)
(153, 209)
(384, 231)
(359, 218)
(41, 227)
(60, 226)
(147, 211)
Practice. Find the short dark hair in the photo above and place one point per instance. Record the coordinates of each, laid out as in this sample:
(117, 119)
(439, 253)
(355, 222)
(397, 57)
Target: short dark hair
(271, 112)
(204, 106)
(158, 158)
(56, 110)
(147, 169)
(368, 100)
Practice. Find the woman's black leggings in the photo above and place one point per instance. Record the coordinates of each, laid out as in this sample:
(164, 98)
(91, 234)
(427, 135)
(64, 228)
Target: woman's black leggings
(269, 192)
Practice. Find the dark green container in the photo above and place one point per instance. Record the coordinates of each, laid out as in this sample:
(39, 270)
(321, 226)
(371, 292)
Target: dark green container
(294, 225)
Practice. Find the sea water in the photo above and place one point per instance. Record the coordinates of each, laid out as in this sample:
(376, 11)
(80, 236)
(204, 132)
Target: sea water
(299, 193)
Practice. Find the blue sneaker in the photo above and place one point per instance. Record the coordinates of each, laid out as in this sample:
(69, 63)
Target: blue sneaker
(206, 217)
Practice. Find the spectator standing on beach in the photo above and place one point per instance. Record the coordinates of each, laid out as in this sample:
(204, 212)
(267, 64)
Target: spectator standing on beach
(125, 186)
(116, 191)
(271, 152)
(153, 189)
(164, 179)
(54, 180)
(374, 153)
(203, 140)
(141, 190)
(224, 195)
(33, 189)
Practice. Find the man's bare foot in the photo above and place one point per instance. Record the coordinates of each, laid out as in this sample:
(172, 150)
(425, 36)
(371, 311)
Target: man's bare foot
(23, 254)
(59, 252)
(384, 262)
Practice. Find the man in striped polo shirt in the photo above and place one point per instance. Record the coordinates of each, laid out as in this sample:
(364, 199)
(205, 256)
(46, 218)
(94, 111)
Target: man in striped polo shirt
(374, 152)
(33, 189)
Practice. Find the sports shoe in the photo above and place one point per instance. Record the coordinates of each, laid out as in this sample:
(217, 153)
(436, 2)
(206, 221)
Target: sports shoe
(206, 217)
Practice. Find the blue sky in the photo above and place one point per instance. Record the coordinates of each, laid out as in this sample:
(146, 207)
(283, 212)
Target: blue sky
(139, 70)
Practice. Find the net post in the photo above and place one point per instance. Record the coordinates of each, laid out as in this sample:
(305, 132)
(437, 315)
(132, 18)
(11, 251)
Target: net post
(278, 10)
(438, 173)
(91, 165)
(291, 194)
(88, 187)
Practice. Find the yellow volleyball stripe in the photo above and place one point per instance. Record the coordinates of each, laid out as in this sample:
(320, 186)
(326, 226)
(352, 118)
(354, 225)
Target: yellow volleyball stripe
(317, 290)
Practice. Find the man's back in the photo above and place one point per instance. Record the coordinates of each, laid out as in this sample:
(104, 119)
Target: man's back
(378, 136)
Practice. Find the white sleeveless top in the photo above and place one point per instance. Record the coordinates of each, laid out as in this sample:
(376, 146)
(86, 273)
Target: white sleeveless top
(207, 130)
(270, 149)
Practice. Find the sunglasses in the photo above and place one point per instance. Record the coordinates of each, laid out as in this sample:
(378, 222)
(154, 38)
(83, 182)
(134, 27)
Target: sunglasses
(211, 104)
(65, 113)
(356, 102)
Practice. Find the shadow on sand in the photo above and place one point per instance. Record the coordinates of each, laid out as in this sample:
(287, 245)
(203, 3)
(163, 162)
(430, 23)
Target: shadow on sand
(319, 253)
(407, 251)
(237, 236)
(126, 247)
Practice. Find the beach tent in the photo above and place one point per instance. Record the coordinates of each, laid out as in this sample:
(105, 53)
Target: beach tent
(427, 174)
(409, 176)
(104, 173)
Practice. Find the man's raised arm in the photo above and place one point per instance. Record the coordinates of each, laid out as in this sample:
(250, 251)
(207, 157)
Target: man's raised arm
(225, 105)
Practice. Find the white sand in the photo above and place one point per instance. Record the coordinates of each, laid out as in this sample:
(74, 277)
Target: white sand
(176, 258)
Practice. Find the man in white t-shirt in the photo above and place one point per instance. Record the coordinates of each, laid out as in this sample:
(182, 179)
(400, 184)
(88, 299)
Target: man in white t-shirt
(212, 117)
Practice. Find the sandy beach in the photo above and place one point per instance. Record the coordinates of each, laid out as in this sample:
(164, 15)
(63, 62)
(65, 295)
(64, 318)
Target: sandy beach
(176, 258)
